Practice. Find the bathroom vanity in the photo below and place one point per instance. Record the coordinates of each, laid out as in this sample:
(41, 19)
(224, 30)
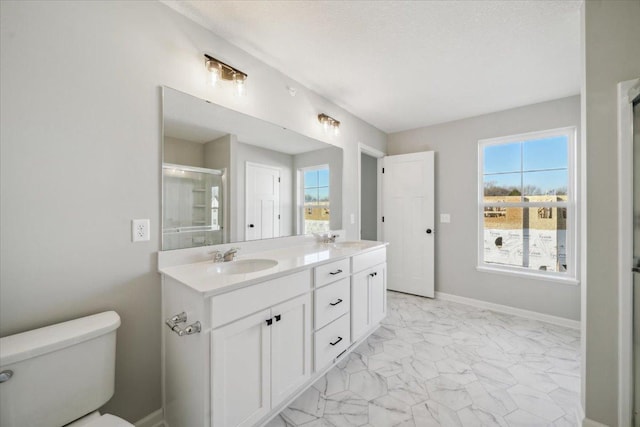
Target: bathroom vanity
(246, 337)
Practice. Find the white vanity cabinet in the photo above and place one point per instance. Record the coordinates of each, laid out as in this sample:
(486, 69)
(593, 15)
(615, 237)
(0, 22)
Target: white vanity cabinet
(368, 291)
(259, 360)
(264, 341)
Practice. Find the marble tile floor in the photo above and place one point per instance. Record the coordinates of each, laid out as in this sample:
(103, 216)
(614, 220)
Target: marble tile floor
(439, 363)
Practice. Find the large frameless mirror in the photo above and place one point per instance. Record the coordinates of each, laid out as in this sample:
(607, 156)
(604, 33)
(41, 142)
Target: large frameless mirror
(229, 177)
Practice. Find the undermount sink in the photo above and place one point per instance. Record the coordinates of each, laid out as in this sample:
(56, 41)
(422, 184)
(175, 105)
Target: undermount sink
(354, 244)
(243, 266)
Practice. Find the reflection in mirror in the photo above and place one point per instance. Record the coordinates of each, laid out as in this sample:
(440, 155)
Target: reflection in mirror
(229, 177)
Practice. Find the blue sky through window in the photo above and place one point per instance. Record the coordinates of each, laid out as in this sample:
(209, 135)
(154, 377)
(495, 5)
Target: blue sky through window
(542, 162)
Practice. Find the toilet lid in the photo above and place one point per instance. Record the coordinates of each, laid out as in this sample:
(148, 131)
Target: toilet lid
(108, 420)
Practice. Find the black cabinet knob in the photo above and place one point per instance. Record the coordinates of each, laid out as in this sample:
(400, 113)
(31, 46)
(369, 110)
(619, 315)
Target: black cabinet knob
(269, 322)
(251, 225)
(429, 231)
(278, 317)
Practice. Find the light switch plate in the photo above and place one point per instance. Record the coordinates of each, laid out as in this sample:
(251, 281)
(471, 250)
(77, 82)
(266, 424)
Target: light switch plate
(140, 230)
(445, 218)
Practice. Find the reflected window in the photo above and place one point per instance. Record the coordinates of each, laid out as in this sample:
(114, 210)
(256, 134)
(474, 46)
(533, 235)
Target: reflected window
(316, 206)
(527, 203)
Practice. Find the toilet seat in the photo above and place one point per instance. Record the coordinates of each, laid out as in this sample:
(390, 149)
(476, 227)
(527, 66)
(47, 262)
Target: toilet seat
(108, 420)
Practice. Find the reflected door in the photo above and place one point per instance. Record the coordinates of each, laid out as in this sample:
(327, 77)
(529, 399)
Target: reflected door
(262, 202)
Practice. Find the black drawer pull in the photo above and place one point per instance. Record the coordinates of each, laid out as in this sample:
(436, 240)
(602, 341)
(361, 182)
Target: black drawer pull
(269, 321)
(337, 341)
(336, 303)
(278, 317)
(333, 273)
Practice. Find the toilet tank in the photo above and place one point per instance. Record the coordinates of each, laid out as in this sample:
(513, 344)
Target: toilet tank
(60, 372)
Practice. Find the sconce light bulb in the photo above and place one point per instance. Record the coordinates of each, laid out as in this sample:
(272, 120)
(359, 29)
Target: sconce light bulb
(215, 72)
(239, 81)
(336, 130)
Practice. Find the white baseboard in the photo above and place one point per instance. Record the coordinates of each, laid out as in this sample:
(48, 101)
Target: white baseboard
(590, 423)
(154, 419)
(561, 321)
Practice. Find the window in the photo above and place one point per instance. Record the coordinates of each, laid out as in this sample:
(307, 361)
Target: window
(527, 218)
(316, 207)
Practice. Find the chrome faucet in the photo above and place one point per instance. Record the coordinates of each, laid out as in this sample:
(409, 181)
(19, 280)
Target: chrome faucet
(230, 254)
(217, 256)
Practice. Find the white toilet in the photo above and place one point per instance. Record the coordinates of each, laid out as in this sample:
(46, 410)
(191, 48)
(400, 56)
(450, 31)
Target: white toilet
(60, 374)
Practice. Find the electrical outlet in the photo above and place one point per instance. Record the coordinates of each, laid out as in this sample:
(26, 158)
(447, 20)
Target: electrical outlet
(140, 230)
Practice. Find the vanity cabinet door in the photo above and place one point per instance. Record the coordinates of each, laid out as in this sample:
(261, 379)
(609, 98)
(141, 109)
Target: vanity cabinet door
(290, 347)
(360, 316)
(368, 299)
(240, 371)
(378, 293)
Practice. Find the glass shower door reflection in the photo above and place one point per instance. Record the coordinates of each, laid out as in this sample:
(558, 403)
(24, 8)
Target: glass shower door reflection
(192, 211)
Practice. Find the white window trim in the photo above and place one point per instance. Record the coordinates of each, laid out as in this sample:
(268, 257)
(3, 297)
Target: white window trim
(571, 275)
(300, 192)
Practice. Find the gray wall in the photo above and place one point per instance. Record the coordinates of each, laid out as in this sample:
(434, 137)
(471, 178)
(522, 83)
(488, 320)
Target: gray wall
(80, 145)
(612, 47)
(217, 155)
(456, 147)
(369, 197)
(182, 152)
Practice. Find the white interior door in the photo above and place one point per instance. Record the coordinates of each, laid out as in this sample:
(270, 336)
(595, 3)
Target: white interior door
(262, 202)
(408, 225)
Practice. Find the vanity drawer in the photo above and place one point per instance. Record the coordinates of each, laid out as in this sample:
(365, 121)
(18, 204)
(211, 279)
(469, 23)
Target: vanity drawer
(368, 259)
(332, 340)
(236, 304)
(331, 272)
(331, 302)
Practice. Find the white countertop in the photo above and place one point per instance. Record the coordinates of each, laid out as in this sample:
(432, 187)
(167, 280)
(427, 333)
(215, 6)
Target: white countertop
(201, 278)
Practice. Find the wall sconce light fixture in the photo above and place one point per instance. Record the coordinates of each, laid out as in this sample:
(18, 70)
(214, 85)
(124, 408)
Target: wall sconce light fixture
(218, 70)
(329, 124)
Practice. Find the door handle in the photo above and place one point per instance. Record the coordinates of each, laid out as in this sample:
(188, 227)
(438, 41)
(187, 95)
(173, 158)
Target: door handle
(336, 341)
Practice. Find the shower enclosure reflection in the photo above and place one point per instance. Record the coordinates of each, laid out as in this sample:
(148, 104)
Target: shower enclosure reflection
(192, 214)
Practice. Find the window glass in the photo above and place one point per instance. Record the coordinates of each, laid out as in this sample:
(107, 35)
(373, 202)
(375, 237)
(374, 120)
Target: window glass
(500, 158)
(546, 183)
(537, 170)
(547, 153)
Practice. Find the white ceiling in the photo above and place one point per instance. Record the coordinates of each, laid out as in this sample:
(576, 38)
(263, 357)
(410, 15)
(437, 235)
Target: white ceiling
(405, 64)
